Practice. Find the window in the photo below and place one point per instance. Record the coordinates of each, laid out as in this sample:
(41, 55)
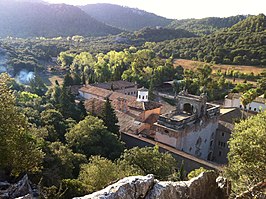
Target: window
(219, 143)
(211, 143)
(139, 97)
(190, 148)
(255, 109)
(240, 106)
(222, 133)
(249, 108)
(166, 131)
(142, 97)
(146, 96)
(220, 153)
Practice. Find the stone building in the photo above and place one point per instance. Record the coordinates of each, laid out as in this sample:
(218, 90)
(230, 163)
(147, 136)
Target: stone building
(191, 127)
(120, 86)
(135, 115)
(233, 100)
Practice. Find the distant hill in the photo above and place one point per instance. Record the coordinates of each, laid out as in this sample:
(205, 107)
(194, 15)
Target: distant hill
(123, 17)
(251, 24)
(161, 34)
(208, 25)
(242, 44)
(26, 19)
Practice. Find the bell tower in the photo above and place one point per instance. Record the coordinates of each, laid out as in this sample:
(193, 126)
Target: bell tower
(143, 95)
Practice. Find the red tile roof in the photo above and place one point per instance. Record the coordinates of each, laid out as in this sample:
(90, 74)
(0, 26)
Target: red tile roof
(113, 96)
(100, 92)
(117, 85)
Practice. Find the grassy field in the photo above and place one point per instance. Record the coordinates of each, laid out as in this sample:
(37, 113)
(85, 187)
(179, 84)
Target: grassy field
(189, 64)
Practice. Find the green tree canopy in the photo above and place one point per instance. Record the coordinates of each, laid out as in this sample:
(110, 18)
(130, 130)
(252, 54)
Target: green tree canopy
(149, 160)
(247, 155)
(99, 173)
(90, 137)
(18, 145)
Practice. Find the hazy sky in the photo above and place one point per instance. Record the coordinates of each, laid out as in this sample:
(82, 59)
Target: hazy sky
(181, 9)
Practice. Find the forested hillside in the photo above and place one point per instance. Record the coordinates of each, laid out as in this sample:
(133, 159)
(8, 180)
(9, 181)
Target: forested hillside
(243, 44)
(124, 17)
(25, 19)
(161, 34)
(251, 24)
(207, 25)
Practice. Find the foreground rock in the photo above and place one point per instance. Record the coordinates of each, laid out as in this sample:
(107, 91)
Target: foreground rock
(21, 189)
(205, 186)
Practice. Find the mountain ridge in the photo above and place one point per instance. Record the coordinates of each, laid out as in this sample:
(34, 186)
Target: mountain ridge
(25, 19)
(125, 18)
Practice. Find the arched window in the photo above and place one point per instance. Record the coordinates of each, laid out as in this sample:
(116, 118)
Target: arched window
(188, 108)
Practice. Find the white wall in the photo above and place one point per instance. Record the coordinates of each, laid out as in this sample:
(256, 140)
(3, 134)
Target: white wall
(86, 95)
(143, 96)
(232, 103)
(253, 106)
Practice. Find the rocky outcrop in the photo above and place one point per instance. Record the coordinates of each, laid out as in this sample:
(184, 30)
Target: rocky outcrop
(205, 186)
(22, 189)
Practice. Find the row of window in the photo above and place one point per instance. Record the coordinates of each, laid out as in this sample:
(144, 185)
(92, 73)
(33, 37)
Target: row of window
(130, 93)
(222, 144)
(255, 109)
(143, 97)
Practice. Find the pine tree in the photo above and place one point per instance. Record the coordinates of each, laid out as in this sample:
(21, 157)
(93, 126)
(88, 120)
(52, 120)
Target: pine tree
(151, 89)
(109, 118)
(68, 80)
(82, 109)
(76, 80)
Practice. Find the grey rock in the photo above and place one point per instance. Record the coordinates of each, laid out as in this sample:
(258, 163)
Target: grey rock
(128, 188)
(205, 186)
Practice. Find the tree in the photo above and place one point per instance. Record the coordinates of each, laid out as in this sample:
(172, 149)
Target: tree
(18, 143)
(90, 137)
(196, 172)
(68, 80)
(149, 160)
(109, 118)
(76, 79)
(53, 118)
(247, 155)
(99, 173)
(37, 86)
(60, 162)
(65, 58)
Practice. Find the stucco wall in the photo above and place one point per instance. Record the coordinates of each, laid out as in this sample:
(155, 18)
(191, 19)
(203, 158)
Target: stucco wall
(232, 103)
(129, 91)
(253, 106)
(197, 140)
(147, 113)
(221, 147)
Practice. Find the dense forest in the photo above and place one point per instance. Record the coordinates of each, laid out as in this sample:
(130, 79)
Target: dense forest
(207, 25)
(244, 43)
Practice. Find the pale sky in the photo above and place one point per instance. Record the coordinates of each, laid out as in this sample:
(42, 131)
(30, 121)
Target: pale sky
(182, 9)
